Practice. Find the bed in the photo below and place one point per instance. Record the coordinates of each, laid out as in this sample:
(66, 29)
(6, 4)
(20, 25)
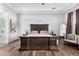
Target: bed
(38, 38)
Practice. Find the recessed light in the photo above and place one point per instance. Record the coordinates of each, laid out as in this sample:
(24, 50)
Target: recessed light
(43, 3)
(53, 8)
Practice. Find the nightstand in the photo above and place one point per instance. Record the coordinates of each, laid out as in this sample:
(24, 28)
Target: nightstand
(54, 43)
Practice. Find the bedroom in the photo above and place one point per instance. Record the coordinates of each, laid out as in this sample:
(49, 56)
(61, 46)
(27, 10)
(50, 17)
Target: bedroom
(20, 21)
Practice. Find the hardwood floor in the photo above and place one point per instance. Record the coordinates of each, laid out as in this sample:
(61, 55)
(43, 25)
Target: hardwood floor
(12, 50)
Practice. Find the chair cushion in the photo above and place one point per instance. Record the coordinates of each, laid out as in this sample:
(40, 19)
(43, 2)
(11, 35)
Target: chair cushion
(71, 37)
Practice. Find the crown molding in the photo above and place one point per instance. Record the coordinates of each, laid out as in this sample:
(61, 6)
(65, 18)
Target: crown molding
(12, 7)
(32, 12)
(72, 8)
(40, 12)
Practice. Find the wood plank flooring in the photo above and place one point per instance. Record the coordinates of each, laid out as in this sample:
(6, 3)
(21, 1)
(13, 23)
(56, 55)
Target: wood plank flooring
(12, 50)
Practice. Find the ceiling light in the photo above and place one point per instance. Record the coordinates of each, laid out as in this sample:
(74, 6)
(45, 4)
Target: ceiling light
(53, 8)
(43, 3)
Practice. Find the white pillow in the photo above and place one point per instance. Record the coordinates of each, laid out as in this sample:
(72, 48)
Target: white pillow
(43, 32)
(34, 32)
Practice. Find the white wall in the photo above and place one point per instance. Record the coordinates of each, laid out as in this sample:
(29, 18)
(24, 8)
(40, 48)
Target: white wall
(11, 15)
(8, 14)
(54, 21)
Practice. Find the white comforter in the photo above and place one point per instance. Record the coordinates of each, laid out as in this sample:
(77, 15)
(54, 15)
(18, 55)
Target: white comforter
(39, 35)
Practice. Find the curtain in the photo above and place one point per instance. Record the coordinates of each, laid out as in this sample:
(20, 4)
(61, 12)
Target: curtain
(69, 23)
(77, 22)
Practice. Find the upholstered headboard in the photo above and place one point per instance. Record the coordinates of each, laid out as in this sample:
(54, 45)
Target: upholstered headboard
(38, 27)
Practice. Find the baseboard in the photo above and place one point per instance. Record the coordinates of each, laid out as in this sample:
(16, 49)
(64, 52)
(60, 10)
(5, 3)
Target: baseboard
(13, 41)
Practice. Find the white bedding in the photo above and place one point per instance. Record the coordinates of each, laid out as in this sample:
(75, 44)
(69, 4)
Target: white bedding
(39, 35)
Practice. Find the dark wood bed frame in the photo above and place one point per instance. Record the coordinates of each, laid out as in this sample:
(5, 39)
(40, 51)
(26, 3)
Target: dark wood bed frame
(38, 43)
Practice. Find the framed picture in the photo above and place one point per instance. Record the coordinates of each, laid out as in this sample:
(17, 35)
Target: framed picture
(12, 26)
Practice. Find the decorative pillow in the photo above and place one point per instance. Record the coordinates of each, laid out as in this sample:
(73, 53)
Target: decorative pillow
(71, 37)
(34, 32)
(43, 32)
